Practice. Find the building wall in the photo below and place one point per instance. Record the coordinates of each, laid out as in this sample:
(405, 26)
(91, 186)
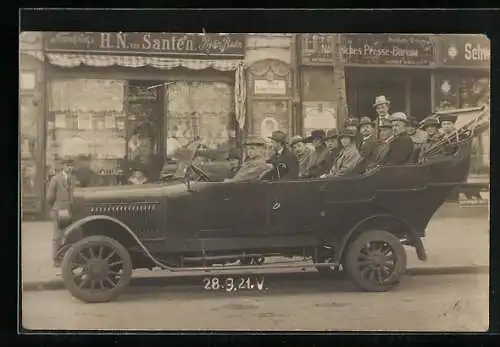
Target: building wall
(270, 83)
(32, 122)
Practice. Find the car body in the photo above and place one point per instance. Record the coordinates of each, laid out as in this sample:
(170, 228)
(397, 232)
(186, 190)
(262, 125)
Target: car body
(346, 221)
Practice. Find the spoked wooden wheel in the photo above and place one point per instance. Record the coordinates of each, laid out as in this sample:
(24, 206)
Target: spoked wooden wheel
(376, 261)
(96, 269)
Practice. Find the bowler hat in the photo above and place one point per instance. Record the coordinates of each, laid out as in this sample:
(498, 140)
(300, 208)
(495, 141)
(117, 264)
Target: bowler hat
(448, 118)
(347, 133)
(399, 116)
(296, 139)
(430, 122)
(380, 100)
(255, 141)
(365, 120)
(332, 134)
(278, 136)
(316, 135)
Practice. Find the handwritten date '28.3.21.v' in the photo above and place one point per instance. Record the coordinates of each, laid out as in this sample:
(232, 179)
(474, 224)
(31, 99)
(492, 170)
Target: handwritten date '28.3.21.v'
(233, 284)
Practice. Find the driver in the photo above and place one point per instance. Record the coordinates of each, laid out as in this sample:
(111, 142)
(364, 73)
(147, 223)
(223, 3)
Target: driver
(255, 162)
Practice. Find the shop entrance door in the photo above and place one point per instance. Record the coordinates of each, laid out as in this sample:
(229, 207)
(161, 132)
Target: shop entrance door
(364, 86)
(145, 124)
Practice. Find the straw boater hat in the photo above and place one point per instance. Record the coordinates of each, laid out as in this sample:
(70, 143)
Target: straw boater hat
(347, 133)
(332, 134)
(430, 122)
(448, 117)
(278, 136)
(315, 135)
(399, 116)
(380, 100)
(296, 139)
(365, 120)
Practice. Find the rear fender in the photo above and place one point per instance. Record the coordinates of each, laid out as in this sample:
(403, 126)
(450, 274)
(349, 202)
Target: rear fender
(127, 232)
(386, 222)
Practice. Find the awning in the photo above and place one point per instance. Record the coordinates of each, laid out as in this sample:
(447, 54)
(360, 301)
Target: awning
(73, 60)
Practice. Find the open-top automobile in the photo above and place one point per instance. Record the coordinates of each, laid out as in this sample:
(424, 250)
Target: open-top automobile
(359, 223)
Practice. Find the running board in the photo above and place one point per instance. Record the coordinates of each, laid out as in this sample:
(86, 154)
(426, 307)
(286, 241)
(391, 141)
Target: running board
(252, 267)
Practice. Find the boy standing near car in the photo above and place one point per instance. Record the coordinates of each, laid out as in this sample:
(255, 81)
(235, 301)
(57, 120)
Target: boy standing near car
(60, 197)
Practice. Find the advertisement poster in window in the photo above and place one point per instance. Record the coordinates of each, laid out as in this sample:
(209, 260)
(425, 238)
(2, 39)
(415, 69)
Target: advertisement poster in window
(269, 116)
(318, 115)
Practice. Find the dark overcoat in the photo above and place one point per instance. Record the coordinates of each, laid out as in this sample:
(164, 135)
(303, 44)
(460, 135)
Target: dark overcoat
(320, 162)
(400, 151)
(286, 163)
(368, 148)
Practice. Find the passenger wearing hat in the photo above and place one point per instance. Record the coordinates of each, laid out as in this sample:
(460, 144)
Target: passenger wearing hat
(368, 146)
(431, 127)
(353, 124)
(400, 149)
(60, 198)
(302, 152)
(418, 136)
(255, 161)
(385, 137)
(382, 106)
(447, 127)
(348, 158)
(320, 161)
(138, 174)
(283, 159)
(332, 142)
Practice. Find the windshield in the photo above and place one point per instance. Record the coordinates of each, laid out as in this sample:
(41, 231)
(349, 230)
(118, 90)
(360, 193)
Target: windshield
(185, 156)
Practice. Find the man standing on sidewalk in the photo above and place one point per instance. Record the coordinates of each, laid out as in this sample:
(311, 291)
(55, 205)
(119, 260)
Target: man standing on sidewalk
(59, 197)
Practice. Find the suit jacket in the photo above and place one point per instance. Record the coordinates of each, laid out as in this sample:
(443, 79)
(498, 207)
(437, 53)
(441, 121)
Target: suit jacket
(286, 164)
(60, 192)
(346, 162)
(251, 170)
(400, 150)
(368, 149)
(320, 162)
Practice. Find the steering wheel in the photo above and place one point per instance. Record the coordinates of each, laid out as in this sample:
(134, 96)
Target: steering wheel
(202, 175)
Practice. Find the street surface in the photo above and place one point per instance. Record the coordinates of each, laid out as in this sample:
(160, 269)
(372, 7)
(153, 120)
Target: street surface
(291, 302)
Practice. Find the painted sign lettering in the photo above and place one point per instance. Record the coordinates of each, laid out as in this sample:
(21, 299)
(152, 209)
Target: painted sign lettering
(167, 44)
(465, 50)
(372, 49)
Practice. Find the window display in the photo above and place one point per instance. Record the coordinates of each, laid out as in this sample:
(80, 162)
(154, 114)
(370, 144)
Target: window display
(29, 143)
(87, 118)
(197, 110)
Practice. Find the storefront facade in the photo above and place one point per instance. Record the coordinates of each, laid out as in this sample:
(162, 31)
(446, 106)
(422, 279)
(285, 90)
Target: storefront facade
(270, 84)
(462, 80)
(31, 120)
(102, 87)
(395, 65)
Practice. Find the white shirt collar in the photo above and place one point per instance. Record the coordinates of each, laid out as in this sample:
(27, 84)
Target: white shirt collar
(281, 150)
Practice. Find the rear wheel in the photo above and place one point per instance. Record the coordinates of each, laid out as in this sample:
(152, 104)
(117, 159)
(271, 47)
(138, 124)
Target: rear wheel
(376, 261)
(96, 269)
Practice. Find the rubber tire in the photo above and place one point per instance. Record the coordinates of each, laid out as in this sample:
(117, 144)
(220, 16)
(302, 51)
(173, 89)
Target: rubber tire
(350, 263)
(99, 297)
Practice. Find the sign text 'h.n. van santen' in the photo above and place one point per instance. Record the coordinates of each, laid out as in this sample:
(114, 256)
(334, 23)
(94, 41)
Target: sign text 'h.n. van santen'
(173, 44)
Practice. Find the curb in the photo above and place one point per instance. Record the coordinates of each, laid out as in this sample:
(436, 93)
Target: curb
(159, 281)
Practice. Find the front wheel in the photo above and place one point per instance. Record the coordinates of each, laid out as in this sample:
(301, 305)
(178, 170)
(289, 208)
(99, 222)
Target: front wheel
(96, 269)
(376, 261)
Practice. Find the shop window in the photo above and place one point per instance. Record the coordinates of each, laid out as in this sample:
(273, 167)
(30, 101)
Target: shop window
(318, 108)
(87, 118)
(198, 110)
(268, 116)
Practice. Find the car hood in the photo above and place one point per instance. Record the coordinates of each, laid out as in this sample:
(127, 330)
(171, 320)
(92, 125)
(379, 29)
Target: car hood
(138, 192)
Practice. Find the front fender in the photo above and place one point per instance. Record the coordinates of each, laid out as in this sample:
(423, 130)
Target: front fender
(381, 218)
(75, 227)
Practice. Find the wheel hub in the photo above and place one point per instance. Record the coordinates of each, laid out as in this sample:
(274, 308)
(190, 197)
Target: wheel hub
(97, 267)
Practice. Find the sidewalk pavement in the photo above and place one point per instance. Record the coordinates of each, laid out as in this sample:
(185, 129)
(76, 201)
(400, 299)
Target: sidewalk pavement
(457, 237)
